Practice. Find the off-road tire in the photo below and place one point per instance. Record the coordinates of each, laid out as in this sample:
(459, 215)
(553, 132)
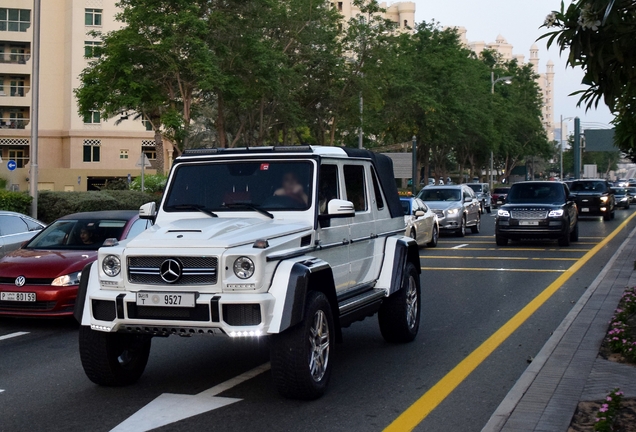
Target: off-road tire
(113, 359)
(501, 241)
(399, 315)
(291, 352)
(435, 238)
(477, 227)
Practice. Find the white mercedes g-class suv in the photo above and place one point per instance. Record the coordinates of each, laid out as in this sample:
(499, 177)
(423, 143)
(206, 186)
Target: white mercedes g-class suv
(293, 243)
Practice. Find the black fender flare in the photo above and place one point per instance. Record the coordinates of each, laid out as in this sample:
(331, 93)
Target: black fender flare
(78, 311)
(306, 276)
(406, 251)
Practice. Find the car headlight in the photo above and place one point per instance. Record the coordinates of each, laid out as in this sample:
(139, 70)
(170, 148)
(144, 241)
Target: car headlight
(111, 265)
(244, 267)
(67, 280)
(604, 199)
(555, 213)
(452, 211)
(503, 213)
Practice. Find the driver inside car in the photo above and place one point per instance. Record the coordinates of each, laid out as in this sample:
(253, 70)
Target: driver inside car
(291, 188)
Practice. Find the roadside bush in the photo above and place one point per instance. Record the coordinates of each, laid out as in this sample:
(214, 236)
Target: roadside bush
(152, 183)
(3, 183)
(53, 205)
(15, 201)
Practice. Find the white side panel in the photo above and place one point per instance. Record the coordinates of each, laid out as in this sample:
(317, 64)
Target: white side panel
(93, 287)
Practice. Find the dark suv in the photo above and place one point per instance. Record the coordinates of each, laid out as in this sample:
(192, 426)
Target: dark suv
(537, 210)
(594, 198)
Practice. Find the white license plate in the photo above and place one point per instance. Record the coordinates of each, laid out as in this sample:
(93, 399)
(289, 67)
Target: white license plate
(585, 210)
(529, 223)
(165, 299)
(17, 296)
(499, 202)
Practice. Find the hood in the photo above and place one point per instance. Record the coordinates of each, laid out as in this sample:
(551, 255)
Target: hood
(44, 264)
(443, 205)
(214, 232)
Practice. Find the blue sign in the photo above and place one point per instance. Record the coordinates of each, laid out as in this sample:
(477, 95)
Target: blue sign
(11, 165)
(129, 178)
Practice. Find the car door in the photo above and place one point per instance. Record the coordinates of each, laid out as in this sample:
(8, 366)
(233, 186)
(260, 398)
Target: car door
(424, 222)
(362, 228)
(471, 209)
(333, 234)
(14, 232)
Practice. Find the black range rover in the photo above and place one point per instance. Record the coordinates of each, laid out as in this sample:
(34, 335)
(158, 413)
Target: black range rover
(538, 210)
(594, 198)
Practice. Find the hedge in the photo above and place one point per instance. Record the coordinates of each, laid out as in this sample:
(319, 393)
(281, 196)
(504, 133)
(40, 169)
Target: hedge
(53, 205)
(15, 201)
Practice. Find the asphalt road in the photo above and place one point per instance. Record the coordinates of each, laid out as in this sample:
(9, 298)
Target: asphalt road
(471, 288)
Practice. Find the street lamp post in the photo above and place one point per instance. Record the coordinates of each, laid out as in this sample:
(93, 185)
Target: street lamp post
(35, 105)
(493, 81)
(561, 140)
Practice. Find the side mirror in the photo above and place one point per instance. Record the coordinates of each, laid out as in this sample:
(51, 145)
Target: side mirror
(468, 200)
(419, 213)
(337, 208)
(148, 211)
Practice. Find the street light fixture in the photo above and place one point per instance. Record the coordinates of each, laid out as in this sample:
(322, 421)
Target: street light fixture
(493, 81)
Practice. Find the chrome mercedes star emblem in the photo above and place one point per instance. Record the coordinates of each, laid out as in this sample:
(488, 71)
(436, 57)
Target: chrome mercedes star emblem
(20, 281)
(170, 270)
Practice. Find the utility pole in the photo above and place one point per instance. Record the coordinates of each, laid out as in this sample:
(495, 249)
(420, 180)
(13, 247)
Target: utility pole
(577, 148)
(35, 108)
(414, 170)
(361, 133)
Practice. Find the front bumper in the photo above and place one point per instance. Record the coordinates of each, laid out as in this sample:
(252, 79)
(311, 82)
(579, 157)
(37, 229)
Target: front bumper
(51, 301)
(593, 208)
(232, 314)
(546, 229)
(449, 222)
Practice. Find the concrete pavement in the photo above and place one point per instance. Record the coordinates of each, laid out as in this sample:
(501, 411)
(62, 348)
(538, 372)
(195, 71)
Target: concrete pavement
(568, 369)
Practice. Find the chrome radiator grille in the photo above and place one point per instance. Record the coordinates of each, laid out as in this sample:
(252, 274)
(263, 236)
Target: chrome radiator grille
(194, 270)
(529, 214)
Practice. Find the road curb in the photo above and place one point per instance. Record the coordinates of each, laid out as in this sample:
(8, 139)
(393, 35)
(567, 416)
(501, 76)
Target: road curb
(503, 412)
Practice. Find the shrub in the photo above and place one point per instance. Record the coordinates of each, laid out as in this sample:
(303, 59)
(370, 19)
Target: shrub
(53, 205)
(3, 183)
(15, 201)
(152, 183)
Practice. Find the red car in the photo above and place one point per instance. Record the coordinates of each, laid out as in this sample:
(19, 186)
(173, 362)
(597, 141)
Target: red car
(499, 196)
(41, 278)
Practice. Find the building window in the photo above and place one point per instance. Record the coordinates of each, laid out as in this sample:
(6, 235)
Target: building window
(18, 157)
(92, 117)
(147, 125)
(123, 154)
(92, 150)
(16, 20)
(93, 17)
(151, 154)
(91, 49)
(340, 6)
(406, 23)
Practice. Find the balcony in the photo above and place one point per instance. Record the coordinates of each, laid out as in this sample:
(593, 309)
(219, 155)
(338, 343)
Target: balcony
(15, 96)
(13, 123)
(15, 63)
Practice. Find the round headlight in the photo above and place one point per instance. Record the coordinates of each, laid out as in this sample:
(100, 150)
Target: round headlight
(111, 265)
(244, 267)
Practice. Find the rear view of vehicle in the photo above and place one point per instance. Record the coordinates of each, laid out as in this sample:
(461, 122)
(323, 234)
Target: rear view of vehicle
(594, 198)
(537, 210)
(482, 191)
(499, 196)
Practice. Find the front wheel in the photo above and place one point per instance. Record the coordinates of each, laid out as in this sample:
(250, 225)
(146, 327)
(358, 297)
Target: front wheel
(461, 231)
(301, 356)
(113, 359)
(399, 315)
(565, 240)
(477, 227)
(434, 237)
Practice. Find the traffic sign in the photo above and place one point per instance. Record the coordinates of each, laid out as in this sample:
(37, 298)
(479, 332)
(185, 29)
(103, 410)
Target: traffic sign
(11, 165)
(143, 160)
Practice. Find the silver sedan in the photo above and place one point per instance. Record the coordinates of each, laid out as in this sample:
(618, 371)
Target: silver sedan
(456, 207)
(15, 229)
(421, 222)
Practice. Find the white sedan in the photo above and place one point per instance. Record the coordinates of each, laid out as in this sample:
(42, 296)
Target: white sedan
(421, 222)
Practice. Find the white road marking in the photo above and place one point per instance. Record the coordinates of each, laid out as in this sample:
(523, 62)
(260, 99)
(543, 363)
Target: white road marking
(170, 408)
(1, 390)
(12, 335)
(460, 246)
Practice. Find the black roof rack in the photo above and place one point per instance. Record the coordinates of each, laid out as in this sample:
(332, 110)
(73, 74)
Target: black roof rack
(247, 150)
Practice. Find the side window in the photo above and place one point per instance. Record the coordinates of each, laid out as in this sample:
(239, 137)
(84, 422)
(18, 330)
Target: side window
(379, 201)
(139, 226)
(12, 225)
(422, 205)
(32, 225)
(328, 186)
(355, 184)
(467, 194)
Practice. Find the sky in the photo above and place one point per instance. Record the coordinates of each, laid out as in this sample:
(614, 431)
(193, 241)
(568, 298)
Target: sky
(518, 21)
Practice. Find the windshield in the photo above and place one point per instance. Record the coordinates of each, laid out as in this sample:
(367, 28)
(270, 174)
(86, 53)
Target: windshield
(588, 186)
(78, 234)
(539, 193)
(501, 190)
(439, 194)
(619, 191)
(475, 187)
(241, 186)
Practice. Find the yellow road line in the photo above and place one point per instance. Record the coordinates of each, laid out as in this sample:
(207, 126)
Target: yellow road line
(417, 412)
(493, 269)
(494, 258)
(516, 249)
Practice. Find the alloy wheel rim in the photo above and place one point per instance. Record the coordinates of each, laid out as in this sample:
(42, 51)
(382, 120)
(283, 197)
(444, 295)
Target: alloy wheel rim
(319, 341)
(411, 304)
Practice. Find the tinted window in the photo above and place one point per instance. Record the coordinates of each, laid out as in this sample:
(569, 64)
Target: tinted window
(501, 190)
(71, 234)
(540, 193)
(328, 186)
(376, 189)
(354, 182)
(406, 207)
(589, 186)
(33, 225)
(238, 186)
(439, 194)
(139, 226)
(12, 225)
(475, 187)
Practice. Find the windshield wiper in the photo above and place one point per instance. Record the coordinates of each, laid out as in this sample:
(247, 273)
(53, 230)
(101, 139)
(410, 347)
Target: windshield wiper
(251, 207)
(193, 207)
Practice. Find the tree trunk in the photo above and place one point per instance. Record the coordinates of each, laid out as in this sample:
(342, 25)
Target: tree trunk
(159, 149)
(220, 121)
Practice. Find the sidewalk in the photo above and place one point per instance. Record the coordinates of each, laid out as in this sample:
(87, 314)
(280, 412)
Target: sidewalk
(567, 369)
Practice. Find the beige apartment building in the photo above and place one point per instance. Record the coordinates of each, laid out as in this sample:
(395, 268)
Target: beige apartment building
(401, 13)
(75, 153)
(545, 79)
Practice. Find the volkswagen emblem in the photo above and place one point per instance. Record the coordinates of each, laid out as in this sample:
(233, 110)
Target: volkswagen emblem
(20, 281)
(170, 271)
